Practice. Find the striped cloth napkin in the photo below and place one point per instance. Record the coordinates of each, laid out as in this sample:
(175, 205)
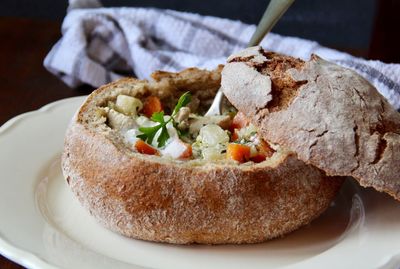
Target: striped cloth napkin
(99, 45)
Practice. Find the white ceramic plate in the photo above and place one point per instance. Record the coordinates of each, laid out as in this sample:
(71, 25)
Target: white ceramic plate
(43, 226)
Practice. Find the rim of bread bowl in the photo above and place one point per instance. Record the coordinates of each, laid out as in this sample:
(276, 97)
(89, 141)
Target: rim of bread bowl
(145, 88)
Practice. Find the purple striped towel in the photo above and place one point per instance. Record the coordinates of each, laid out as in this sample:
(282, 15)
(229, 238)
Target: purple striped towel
(99, 45)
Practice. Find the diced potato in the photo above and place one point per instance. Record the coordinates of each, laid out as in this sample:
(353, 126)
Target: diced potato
(211, 154)
(119, 121)
(212, 135)
(197, 123)
(178, 149)
(128, 105)
(247, 132)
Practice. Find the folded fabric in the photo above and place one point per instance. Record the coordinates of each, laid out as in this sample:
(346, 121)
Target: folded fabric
(100, 45)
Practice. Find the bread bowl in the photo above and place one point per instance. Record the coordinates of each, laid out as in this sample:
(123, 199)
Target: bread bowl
(182, 201)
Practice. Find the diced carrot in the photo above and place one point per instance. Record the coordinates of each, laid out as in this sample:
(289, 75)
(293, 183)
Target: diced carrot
(144, 148)
(258, 158)
(265, 149)
(238, 152)
(187, 153)
(235, 135)
(151, 105)
(238, 122)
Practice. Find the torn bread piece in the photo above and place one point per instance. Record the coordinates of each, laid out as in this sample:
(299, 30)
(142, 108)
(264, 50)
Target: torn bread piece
(329, 115)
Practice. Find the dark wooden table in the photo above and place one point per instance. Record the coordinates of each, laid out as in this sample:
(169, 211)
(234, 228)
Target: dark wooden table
(25, 85)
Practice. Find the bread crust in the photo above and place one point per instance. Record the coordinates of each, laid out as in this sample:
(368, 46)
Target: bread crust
(148, 198)
(333, 118)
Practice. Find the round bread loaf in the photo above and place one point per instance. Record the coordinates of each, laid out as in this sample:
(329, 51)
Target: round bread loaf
(194, 201)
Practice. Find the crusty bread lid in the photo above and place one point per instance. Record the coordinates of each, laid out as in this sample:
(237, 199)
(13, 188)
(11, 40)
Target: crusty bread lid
(331, 117)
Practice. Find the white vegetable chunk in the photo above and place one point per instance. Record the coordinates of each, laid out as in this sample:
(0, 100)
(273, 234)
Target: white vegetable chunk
(130, 136)
(119, 121)
(212, 135)
(212, 154)
(175, 149)
(128, 105)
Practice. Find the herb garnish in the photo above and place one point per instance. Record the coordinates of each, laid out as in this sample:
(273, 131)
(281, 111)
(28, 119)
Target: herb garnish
(150, 132)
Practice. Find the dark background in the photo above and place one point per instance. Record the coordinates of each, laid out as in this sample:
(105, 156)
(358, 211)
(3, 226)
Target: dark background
(340, 23)
(29, 28)
(367, 28)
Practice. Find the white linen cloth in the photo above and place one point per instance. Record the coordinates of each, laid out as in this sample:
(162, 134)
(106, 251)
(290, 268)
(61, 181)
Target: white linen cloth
(99, 45)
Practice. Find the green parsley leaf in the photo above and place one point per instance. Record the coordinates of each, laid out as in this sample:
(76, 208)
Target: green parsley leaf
(158, 117)
(150, 132)
(183, 101)
(164, 135)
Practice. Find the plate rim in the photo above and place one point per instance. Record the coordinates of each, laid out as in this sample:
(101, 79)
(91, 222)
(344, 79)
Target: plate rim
(31, 260)
(8, 249)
